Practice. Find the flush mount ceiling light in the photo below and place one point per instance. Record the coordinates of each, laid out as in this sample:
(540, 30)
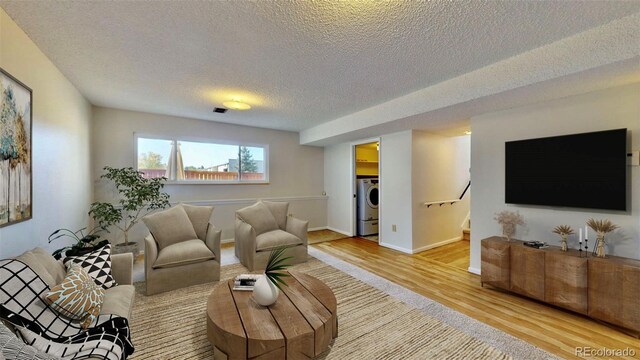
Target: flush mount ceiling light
(236, 105)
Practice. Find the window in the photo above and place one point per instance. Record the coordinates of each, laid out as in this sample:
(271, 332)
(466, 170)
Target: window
(153, 155)
(198, 161)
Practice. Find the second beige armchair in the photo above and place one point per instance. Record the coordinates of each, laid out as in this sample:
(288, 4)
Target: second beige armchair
(265, 225)
(182, 249)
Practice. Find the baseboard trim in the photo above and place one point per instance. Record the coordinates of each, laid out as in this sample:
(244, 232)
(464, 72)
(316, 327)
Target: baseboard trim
(473, 270)
(395, 247)
(438, 244)
(346, 233)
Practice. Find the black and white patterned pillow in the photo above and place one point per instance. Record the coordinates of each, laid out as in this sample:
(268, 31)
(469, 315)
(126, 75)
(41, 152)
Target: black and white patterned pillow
(97, 264)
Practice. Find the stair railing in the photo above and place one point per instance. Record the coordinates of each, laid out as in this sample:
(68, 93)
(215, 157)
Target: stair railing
(450, 202)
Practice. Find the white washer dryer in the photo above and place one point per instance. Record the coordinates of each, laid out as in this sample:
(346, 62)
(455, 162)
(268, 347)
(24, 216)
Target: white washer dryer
(367, 199)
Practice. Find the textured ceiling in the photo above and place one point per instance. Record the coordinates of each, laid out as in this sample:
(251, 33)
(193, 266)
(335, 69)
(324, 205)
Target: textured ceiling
(299, 64)
(602, 57)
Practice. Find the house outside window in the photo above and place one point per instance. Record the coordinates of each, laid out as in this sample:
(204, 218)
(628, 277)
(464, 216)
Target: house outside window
(190, 161)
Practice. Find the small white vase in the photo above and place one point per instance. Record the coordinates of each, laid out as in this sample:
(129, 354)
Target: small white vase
(265, 293)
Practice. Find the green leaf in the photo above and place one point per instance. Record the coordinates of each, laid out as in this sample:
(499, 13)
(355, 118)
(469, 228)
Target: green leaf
(277, 272)
(277, 262)
(278, 268)
(276, 280)
(281, 262)
(58, 253)
(90, 238)
(278, 283)
(279, 277)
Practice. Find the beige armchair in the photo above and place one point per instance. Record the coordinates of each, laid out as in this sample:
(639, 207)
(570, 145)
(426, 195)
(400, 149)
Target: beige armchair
(265, 225)
(182, 249)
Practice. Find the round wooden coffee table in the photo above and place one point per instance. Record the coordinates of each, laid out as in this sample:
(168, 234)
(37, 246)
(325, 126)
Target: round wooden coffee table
(300, 325)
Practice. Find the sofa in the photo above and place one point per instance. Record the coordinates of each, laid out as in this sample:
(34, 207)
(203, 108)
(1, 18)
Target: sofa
(34, 273)
(264, 226)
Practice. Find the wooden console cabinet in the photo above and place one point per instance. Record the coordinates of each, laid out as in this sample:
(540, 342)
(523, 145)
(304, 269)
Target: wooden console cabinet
(605, 289)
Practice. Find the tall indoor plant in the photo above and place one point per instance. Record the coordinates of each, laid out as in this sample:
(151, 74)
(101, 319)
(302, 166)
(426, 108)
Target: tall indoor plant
(138, 196)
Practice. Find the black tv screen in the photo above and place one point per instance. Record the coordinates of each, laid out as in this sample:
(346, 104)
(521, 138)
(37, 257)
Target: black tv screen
(581, 170)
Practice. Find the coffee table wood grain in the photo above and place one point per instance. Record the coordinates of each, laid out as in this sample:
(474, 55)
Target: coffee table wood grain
(300, 325)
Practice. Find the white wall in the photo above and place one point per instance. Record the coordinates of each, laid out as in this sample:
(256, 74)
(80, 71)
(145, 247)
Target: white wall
(337, 185)
(295, 171)
(312, 208)
(62, 189)
(396, 191)
(415, 167)
(440, 172)
(601, 110)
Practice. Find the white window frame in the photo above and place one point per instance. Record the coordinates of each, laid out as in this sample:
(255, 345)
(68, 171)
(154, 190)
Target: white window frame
(265, 148)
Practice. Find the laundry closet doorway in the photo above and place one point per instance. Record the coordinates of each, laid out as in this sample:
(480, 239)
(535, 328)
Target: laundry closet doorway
(366, 191)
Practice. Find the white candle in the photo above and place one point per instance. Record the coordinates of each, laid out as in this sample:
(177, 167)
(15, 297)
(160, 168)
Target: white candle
(581, 236)
(586, 231)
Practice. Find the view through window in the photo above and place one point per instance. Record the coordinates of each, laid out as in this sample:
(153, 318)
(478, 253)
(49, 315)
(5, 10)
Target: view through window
(195, 161)
(153, 155)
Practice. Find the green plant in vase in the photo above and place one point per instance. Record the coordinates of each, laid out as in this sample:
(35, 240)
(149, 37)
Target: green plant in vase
(138, 197)
(267, 287)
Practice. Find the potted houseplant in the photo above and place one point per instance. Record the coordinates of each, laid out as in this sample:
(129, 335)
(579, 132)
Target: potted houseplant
(267, 287)
(138, 197)
(84, 243)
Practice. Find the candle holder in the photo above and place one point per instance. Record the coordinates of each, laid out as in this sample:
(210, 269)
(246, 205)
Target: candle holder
(586, 247)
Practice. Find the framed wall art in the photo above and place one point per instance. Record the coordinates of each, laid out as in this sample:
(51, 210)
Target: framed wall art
(15, 150)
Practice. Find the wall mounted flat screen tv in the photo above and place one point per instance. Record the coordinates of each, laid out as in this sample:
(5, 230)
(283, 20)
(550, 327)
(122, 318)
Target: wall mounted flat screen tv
(582, 170)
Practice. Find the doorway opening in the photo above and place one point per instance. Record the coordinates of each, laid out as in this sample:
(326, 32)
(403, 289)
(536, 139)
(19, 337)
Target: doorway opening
(366, 186)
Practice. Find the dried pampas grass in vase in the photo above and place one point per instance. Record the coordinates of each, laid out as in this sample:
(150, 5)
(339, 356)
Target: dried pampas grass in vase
(509, 220)
(601, 227)
(564, 231)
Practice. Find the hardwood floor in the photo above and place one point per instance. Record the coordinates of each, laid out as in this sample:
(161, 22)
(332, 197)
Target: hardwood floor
(441, 274)
(315, 237)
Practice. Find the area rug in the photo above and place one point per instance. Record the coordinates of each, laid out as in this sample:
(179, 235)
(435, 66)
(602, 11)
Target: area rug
(509, 344)
(372, 323)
